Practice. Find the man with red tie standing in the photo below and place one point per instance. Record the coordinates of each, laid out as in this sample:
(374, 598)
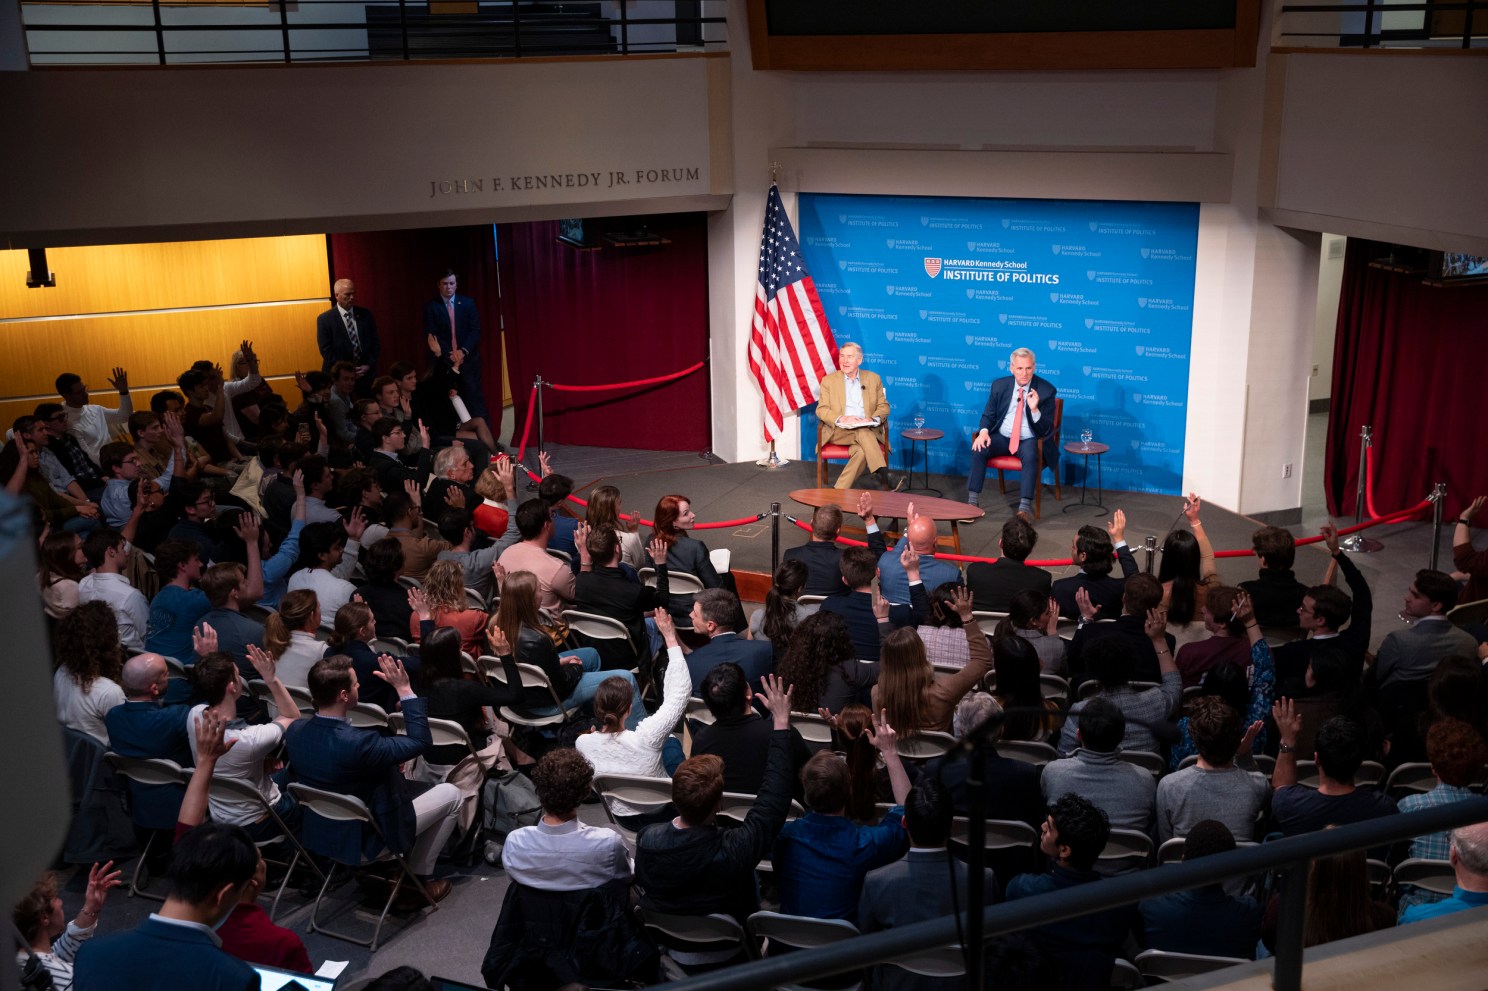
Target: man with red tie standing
(453, 329)
(1019, 412)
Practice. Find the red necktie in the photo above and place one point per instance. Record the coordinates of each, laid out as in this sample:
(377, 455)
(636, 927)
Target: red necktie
(1017, 434)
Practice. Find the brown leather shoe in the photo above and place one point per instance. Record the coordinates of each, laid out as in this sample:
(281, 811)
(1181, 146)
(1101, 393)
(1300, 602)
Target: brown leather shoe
(410, 899)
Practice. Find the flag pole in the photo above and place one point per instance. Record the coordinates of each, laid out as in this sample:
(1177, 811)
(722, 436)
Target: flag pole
(773, 460)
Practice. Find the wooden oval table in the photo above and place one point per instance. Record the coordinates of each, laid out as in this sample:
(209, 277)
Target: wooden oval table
(896, 505)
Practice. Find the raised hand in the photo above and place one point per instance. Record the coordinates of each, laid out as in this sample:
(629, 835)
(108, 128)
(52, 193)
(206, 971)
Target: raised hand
(500, 646)
(910, 559)
(434, 346)
(204, 640)
(411, 487)
(961, 602)
(454, 497)
(119, 379)
(174, 429)
(881, 734)
(390, 670)
(418, 601)
(297, 482)
(423, 434)
(356, 524)
(1247, 742)
(1191, 508)
(1330, 537)
(1288, 720)
(1087, 608)
(247, 528)
(302, 383)
(1473, 508)
(1156, 625)
(545, 463)
(658, 549)
(666, 627)
(498, 573)
(1244, 609)
(865, 506)
(777, 698)
(827, 715)
(880, 607)
(101, 880)
(263, 662)
(581, 542)
(506, 473)
(909, 513)
(1116, 527)
(210, 741)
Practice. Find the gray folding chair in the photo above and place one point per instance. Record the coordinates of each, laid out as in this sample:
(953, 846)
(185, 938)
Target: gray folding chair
(446, 732)
(694, 934)
(1027, 751)
(1169, 966)
(1410, 779)
(348, 808)
(936, 961)
(636, 791)
(1144, 759)
(815, 730)
(698, 712)
(237, 790)
(147, 771)
(773, 931)
(1433, 875)
(925, 746)
(365, 715)
(259, 690)
(1001, 834)
(1126, 849)
(988, 620)
(591, 628)
(533, 677)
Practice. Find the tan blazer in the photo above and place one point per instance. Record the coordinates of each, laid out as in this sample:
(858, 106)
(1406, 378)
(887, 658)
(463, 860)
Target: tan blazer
(834, 398)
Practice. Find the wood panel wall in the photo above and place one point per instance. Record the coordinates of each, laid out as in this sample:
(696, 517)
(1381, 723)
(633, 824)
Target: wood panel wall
(154, 309)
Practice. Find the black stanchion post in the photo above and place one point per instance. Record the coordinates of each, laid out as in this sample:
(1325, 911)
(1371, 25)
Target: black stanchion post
(1438, 500)
(774, 537)
(1289, 930)
(1357, 542)
(537, 388)
(1149, 546)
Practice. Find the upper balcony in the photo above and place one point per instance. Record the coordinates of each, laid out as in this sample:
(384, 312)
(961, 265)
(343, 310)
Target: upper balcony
(171, 32)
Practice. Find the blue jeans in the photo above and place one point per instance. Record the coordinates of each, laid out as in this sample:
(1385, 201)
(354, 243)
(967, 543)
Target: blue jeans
(593, 677)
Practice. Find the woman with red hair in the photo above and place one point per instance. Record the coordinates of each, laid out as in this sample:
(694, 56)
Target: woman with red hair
(674, 518)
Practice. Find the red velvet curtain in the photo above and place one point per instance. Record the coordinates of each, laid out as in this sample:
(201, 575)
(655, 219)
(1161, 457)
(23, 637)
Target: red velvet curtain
(1407, 362)
(396, 273)
(612, 315)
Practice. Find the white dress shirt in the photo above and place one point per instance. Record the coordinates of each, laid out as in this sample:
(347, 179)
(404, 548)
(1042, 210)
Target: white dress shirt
(1030, 417)
(568, 857)
(94, 425)
(130, 607)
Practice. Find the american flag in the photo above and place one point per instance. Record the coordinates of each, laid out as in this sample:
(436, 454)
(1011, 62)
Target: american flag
(791, 346)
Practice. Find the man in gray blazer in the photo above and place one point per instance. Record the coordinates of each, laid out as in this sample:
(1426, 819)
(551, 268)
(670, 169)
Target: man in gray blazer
(1411, 654)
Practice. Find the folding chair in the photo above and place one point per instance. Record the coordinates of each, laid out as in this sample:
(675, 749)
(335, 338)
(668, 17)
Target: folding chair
(259, 690)
(988, 620)
(446, 732)
(698, 712)
(1126, 849)
(348, 808)
(1409, 779)
(925, 746)
(1001, 834)
(936, 961)
(474, 600)
(1144, 759)
(678, 583)
(533, 678)
(175, 668)
(1168, 966)
(815, 730)
(237, 790)
(1433, 875)
(772, 930)
(396, 646)
(635, 790)
(1028, 751)
(1053, 687)
(365, 715)
(147, 771)
(594, 630)
(694, 934)
(736, 805)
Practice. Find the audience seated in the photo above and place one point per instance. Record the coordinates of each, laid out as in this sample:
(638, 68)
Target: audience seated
(328, 752)
(994, 586)
(857, 602)
(383, 563)
(328, 557)
(555, 579)
(1469, 858)
(1275, 591)
(1034, 616)
(391, 462)
(1409, 655)
(463, 700)
(47, 937)
(713, 615)
(353, 629)
(451, 485)
(1322, 615)
(739, 734)
(1125, 793)
(1226, 643)
(90, 424)
(1218, 787)
(63, 565)
(107, 552)
(289, 637)
(605, 512)
(943, 633)
(1141, 595)
(1457, 754)
(441, 601)
(821, 665)
(672, 524)
(602, 587)
(206, 408)
(227, 589)
(459, 531)
(1229, 682)
(85, 685)
(1031, 717)
(691, 866)
(81, 464)
(1340, 903)
(821, 555)
(560, 853)
(1336, 801)
(915, 697)
(920, 534)
(1111, 661)
(1092, 549)
(776, 622)
(178, 606)
(554, 489)
(319, 482)
(146, 726)
(1465, 559)
(1207, 920)
(1187, 574)
(405, 523)
(821, 859)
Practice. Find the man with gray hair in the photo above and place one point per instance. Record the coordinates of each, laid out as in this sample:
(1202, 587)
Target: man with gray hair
(1470, 862)
(1019, 414)
(347, 332)
(854, 411)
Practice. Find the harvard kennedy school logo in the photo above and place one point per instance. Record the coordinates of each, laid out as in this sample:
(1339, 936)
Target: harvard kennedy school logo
(932, 267)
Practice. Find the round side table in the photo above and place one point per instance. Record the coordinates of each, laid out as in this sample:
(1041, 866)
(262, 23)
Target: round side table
(921, 435)
(1086, 450)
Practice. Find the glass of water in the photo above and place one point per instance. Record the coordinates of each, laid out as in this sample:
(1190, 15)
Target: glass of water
(1086, 436)
(919, 422)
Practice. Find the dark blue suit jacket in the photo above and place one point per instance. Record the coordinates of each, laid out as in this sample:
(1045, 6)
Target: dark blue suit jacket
(1002, 397)
(370, 687)
(335, 345)
(157, 956)
(756, 657)
(334, 755)
(862, 625)
(467, 326)
(149, 729)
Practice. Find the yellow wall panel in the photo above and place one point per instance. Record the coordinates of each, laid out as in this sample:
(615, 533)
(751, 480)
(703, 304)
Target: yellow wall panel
(154, 348)
(123, 277)
(10, 409)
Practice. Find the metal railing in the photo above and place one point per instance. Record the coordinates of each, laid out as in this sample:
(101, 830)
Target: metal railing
(1292, 855)
(159, 32)
(1380, 24)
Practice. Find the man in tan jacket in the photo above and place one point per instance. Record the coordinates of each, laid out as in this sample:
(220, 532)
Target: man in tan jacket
(854, 411)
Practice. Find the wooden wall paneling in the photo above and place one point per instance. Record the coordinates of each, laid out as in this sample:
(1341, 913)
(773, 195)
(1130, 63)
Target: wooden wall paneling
(154, 348)
(123, 277)
(10, 409)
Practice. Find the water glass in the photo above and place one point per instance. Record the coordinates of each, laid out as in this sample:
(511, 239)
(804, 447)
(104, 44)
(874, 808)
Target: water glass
(1086, 436)
(919, 422)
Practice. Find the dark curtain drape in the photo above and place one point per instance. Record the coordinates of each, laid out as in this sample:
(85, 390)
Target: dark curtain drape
(611, 315)
(397, 272)
(1408, 362)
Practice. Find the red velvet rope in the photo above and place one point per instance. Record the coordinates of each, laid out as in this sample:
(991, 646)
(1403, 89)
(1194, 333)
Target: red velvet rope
(626, 385)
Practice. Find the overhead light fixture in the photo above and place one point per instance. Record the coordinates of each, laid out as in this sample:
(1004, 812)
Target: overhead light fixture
(39, 276)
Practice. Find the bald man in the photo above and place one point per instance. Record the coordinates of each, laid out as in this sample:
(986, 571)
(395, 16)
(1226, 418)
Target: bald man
(893, 584)
(152, 723)
(347, 332)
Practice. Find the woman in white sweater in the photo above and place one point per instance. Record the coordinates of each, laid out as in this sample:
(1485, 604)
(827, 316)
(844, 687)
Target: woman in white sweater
(613, 749)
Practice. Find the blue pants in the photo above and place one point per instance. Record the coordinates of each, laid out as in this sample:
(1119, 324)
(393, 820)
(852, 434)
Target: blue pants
(1027, 453)
(593, 677)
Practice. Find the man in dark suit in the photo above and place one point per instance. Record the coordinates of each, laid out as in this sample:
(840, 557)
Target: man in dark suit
(739, 734)
(713, 615)
(603, 589)
(1019, 413)
(211, 867)
(994, 585)
(328, 752)
(1140, 594)
(854, 602)
(821, 554)
(1276, 592)
(452, 324)
(1323, 612)
(1091, 550)
(348, 333)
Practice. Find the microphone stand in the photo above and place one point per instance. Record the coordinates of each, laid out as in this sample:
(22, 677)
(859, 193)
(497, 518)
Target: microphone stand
(973, 747)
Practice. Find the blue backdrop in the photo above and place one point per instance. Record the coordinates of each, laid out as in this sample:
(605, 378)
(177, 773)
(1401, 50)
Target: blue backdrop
(938, 291)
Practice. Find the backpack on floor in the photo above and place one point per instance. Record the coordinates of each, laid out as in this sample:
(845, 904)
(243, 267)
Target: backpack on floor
(509, 801)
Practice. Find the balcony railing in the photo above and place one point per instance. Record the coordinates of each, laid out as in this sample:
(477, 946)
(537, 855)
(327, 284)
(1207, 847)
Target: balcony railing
(1383, 24)
(162, 32)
